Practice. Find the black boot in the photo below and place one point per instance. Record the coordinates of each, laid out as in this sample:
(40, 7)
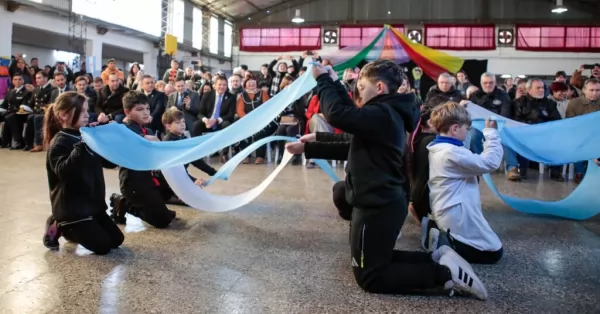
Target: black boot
(51, 234)
(119, 208)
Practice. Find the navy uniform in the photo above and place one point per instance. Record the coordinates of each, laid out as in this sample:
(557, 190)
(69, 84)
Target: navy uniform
(13, 122)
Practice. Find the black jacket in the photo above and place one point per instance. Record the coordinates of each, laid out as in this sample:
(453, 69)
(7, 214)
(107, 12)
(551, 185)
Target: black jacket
(75, 178)
(200, 164)
(133, 180)
(497, 102)
(533, 110)
(452, 95)
(158, 102)
(375, 175)
(329, 146)
(207, 106)
(419, 173)
(41, 97)
(109, 102)
(14, 99)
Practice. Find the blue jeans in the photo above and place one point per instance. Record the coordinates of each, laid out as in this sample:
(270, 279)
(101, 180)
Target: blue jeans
(476, 141)
(513, 160)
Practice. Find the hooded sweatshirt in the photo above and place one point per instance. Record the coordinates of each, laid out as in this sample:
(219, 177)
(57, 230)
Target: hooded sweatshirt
(375, 174)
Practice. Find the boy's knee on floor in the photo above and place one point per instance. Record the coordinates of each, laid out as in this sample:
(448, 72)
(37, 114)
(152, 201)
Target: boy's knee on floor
(364, 278)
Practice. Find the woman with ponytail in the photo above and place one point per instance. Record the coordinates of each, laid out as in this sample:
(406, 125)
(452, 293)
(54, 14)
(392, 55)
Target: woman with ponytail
(76, 180)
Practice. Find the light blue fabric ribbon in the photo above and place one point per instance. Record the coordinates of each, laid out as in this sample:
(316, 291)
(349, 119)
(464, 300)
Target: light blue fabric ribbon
(225, 172)
(557, 143)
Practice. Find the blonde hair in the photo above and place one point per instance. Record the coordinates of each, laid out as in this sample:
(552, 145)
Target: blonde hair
(448, 114)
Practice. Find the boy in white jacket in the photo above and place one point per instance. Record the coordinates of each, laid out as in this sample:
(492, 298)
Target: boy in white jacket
(457, 219)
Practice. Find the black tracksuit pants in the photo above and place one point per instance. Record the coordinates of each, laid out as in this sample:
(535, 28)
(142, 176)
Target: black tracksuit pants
(99, 234)
(378, 268)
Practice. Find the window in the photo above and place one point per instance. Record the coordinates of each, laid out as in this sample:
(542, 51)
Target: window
(227, 39)
(120, 13)
(360, 36)
(214, 35)
(480, 37)
(197, 28)
(558, 38)
(178, 20)
(280, 39)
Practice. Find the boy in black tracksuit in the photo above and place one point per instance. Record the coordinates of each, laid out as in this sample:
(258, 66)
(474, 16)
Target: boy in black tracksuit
(375, 186)
(174, 123)
(143, 194)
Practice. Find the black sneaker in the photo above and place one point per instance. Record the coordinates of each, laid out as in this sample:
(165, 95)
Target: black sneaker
(119, 209)
(52, 234)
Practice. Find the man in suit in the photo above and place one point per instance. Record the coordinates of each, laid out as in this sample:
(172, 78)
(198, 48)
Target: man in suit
(156, 100)
(217, 110)
(16, 100)
(109, 105)
(43, 95)
(187, 101)
(60, 80)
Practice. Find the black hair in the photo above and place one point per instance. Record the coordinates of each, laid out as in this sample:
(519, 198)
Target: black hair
(384, 70)
(42, 73)
(133, 98)
(244, 67)
(303, 69)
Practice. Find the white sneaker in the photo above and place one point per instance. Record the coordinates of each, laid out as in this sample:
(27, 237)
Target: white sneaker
(436, 255)
(464, 280)
(434, 235)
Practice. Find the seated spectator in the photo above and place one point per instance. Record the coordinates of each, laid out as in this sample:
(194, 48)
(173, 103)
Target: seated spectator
(532, 108)
(109, 106)
(82, 88)
(462, 83)
(558, 93)
(588, 102)
(291, 121)
(282, 71)
(160, 86)
(248, 100)
(185, 100)
(174, 73)
(445, 89)
(493, 99)
(111, 68)
(157, 101)
(216, 112)
(16, 105)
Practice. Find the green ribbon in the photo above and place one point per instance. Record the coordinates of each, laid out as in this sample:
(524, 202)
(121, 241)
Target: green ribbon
(354, 61)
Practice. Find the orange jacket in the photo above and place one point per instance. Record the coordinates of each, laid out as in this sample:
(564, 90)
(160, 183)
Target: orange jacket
(107, 72)
(313, 108)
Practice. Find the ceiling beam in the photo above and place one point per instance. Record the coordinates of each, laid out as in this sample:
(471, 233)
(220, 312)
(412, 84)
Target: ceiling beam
(222, 4)
(419, 21)
(262, 13)
(205, 5)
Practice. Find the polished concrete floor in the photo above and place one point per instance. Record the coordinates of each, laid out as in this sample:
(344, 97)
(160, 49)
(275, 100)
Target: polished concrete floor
(286, 252)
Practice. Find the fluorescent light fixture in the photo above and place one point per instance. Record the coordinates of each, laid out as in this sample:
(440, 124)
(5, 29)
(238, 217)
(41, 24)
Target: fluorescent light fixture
(521, 76)
(298, 18)
(559, 8)
(505, 76)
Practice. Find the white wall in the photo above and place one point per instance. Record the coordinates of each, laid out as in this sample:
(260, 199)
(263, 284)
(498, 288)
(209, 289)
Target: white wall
(44, 55)
(52, 22)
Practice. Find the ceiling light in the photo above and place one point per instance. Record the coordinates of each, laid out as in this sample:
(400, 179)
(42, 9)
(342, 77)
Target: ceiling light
(560, 8)
(505, 76)
(268, 11)
(297, 19)
(522, 76)
(389, 12)
(249, 18)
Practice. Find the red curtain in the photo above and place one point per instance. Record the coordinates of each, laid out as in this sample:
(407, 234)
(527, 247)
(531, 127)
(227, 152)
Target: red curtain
(280, 39)
(480, 37)
(558, 38)
(355, 35)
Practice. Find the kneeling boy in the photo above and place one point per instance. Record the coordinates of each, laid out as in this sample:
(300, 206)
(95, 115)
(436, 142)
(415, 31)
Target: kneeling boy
(142, 196)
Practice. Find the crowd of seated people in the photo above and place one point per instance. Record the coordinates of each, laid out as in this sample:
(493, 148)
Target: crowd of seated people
(528, 101)
(213, 101)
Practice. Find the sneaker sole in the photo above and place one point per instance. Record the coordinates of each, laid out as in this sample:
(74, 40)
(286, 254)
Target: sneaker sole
(462, 287)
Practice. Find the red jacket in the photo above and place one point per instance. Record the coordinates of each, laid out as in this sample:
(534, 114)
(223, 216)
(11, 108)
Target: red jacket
(313, 108)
